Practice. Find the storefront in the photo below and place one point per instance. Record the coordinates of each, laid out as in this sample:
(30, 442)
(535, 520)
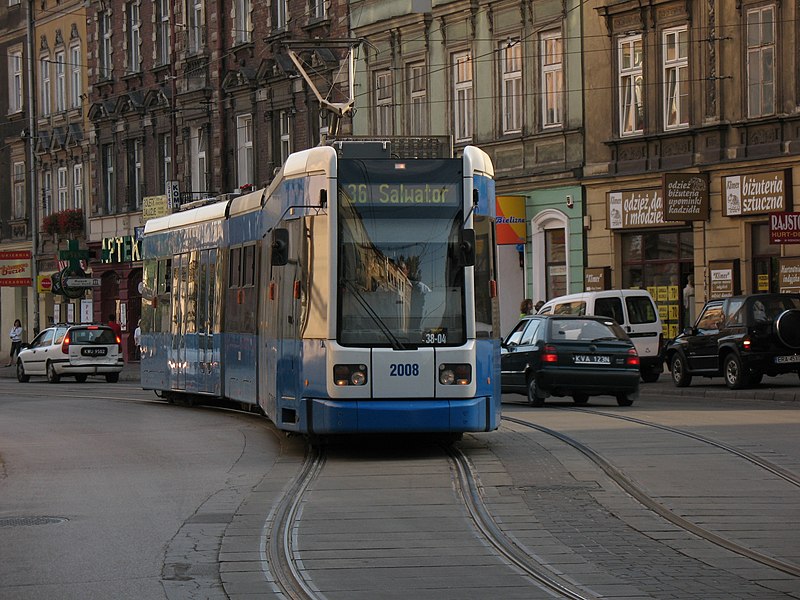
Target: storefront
(120, 274)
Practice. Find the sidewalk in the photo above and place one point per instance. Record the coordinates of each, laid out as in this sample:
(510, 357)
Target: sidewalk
(130, 372)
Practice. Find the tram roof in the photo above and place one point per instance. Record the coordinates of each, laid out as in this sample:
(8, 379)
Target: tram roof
(211, 212)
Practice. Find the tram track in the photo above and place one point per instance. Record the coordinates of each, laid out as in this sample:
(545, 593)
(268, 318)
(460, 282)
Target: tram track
(278, 555)
(628, 485)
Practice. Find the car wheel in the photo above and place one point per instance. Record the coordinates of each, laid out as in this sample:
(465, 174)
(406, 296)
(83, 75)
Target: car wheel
(21, 376)
(534, 395)
(680, 376)
(580, 399)
(80, 378)
(650, 376)
(735, 376)
(52, 376)
(112, 377)
(624, 399)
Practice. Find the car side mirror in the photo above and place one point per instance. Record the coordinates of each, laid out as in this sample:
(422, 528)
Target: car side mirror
(280, 247)
(689, 331)
(467, 247)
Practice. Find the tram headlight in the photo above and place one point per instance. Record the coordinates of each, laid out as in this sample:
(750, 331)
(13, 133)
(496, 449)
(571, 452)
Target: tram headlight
(344, 375)
(455, 374)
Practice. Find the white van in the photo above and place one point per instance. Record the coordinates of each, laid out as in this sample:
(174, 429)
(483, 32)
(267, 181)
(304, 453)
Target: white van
(634, 310)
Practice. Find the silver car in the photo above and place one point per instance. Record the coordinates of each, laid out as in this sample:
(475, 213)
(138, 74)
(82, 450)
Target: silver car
(72, 350)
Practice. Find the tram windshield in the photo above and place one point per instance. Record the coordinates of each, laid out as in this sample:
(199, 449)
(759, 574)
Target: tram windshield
(400, 276)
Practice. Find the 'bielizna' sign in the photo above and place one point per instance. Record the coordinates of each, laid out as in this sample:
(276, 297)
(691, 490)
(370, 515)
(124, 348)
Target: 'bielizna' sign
(756, 193)
(635, 209)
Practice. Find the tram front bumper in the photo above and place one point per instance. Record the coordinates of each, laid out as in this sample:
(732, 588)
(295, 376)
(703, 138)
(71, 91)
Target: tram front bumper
(401, 416)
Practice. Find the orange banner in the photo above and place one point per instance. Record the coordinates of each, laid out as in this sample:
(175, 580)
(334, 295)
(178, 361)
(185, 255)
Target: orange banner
(511, 222)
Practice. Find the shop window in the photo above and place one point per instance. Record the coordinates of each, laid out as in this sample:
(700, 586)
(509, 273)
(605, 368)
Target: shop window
(765, 259)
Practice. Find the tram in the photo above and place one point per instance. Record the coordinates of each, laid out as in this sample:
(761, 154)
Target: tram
(356, 294)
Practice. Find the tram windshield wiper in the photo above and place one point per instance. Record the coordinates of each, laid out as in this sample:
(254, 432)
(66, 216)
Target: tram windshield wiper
(396, 344)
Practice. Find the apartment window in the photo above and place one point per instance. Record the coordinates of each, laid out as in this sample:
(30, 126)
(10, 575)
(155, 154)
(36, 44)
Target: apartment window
(44, 91)
(105, 45)
(462, 96)
(19, 190)
(135, 174)
(676, 78)
(285, 138)
(552, 79)
(14, 81)
(243, 22)
(61, 180)
(418, 99)
(317, 9)
(61, 83)
(761, 61)
(76, 78)
(511, 92)
(281, 13)
(135, 38)
(195, 25)
(165, 158)
(631, 85)
(199, 164)
(108, 177)
(384, 106)
(244, 146)
(77, 185)
(162, 32)
(47, 192)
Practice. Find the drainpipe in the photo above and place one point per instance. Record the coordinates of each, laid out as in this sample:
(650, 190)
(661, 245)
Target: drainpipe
(34, 220)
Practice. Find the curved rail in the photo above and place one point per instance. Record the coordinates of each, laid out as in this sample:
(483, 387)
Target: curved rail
(631, 488)
(768, 466)
(470, 493)
(279, 545)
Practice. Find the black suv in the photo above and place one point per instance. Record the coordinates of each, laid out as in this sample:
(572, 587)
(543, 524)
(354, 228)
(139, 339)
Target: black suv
(741, 338)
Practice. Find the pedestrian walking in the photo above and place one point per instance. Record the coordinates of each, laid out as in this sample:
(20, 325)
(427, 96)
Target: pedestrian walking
(16, 341)
(137, 339)
(112, 322)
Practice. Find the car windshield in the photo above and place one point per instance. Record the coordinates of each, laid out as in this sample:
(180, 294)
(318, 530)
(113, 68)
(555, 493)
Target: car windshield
(585, 330)
(768, 309)
(92, 336)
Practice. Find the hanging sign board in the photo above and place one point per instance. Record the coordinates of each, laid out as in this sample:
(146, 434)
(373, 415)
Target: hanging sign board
(635, 209)
(685, 196)
(723, 276)
(789, 275)
(15, 269)
(784, 228)
(756, 194)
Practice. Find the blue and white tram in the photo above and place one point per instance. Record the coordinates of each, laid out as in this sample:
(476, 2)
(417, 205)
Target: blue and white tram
(355, 294)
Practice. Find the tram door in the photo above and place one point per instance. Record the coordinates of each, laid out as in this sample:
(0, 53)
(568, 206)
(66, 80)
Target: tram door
(177, 351)
(208, 374)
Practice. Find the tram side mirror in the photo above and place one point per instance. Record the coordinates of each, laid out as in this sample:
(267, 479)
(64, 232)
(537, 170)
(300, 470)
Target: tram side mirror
(467, 247)
(280, 247)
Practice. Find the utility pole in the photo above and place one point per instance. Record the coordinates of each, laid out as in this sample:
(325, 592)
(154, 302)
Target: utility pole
(32, 192)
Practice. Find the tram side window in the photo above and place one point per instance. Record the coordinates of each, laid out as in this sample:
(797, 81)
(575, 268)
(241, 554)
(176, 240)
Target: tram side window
(249, 266)
(236, 268)
(161, 319)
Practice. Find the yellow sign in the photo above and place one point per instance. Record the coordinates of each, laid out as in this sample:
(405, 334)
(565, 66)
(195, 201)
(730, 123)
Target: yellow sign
(44, 284)
(154, 206)
(763, 282)
(673, 293)
(674, 313)
(663, 294)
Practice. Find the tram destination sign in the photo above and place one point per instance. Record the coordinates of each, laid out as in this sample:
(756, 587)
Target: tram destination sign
(685, 196)
(403, 194)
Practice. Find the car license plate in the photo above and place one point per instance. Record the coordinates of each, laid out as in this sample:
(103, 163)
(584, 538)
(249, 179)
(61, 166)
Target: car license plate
(94, 351)
(590, 359)
(795, 358)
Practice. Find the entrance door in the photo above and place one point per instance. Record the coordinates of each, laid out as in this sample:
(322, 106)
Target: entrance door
(177, 352)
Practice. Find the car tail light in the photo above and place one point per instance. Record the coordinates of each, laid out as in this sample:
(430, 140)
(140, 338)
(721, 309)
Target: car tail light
(747, 342)
(660, 342)
(455, 374)
(550, 354)
(632, 358)
(119, 344)
(65, 344)
(344, 375)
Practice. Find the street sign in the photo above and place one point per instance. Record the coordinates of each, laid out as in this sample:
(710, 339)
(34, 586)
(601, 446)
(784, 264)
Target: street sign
(75, 282)
(173, 195)
(45, 283)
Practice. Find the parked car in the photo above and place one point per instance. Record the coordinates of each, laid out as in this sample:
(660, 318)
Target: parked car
(741, 338)
(564, 355)
(72, 350)
(634, 310)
